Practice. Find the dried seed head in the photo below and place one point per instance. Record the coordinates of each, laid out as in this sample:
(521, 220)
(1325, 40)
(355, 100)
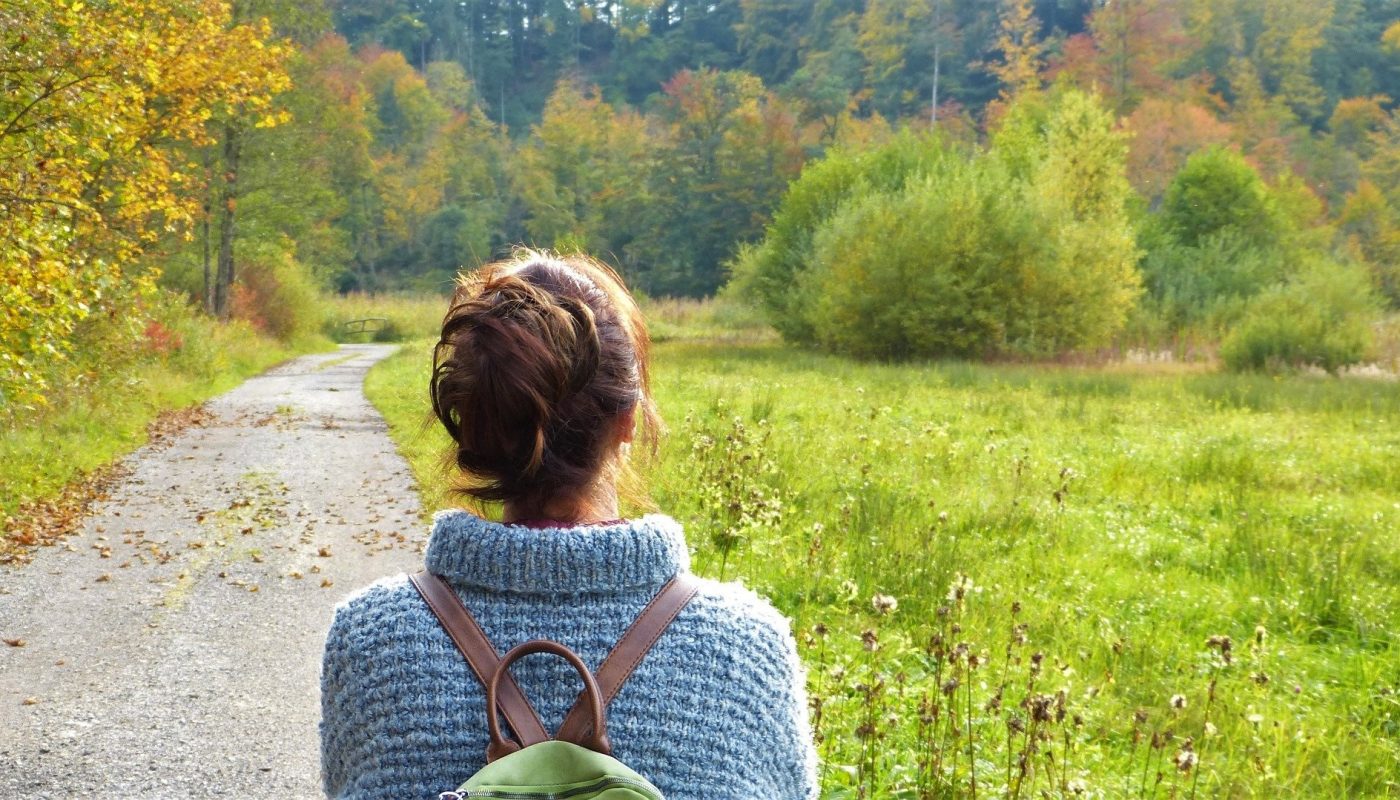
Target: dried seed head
(949, 686)
(1178, 701)
(819, 630)
(1140, 716)
(1223, 644)
(1260, 634)
(870, 640)
(884, 604)
(1041, 707)
(1185, 760)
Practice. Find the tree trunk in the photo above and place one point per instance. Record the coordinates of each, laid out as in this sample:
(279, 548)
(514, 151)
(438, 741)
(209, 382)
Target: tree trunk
(232, 148)
(208, 298)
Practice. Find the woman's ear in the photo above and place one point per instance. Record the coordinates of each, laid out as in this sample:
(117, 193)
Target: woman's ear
(626, 426)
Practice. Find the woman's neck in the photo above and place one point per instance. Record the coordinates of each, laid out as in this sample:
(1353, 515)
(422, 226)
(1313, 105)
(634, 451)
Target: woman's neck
(598, 506)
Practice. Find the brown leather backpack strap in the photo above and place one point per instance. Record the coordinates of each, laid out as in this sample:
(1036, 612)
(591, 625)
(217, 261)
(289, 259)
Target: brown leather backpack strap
(481, 656)
(629, 652)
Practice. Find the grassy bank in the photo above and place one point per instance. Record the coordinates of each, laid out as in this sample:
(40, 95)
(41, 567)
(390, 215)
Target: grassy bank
(114, 386)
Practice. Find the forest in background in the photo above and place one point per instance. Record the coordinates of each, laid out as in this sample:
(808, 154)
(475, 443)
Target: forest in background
(254, 154)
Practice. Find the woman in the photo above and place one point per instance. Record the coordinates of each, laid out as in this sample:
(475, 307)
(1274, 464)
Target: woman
(541, 378)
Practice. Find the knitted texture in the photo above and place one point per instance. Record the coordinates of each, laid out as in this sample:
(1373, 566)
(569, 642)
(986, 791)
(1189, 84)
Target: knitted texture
(716, 710)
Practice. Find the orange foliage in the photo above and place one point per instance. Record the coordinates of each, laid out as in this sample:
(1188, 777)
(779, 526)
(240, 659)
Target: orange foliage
(1165, 134)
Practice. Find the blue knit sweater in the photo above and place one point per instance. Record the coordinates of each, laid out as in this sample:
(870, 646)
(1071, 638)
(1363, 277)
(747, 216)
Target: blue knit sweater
(716, 710)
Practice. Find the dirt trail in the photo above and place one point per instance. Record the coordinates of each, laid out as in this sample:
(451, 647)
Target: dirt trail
(171, 648)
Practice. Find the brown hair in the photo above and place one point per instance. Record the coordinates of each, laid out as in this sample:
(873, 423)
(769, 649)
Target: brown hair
(538, 357)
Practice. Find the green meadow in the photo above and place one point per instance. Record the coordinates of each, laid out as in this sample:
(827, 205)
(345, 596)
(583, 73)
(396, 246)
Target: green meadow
(1039, 581)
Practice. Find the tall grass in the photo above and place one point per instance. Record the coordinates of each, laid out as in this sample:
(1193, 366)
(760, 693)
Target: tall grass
(1019, 581)
(386, 317)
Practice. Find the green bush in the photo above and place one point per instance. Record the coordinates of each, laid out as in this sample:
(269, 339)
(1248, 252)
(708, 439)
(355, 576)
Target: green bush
(917, 249)
(1217, 190)
(771, 271)
(1322, 319)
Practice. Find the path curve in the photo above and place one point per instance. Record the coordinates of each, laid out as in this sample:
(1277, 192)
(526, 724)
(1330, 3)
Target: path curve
(172, 646)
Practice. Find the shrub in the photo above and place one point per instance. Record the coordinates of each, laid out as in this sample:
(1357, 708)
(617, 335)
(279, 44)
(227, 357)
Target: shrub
(1323, 319)
(771, 272)
(1217, 191)
(918, 249)
(275, 294)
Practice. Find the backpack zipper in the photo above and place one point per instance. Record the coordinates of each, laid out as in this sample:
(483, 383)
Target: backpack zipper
(505, 794)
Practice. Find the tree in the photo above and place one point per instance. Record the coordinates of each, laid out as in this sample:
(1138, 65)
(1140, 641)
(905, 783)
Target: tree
(1018, 43)
(729, 149)
(1368, 230)
(1165, 133)
(93, 96)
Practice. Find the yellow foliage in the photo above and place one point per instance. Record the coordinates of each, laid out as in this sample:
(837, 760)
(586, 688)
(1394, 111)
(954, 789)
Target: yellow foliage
(95, 95)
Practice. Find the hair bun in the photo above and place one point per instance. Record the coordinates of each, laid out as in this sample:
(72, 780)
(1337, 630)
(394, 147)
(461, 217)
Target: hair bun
(535, 362)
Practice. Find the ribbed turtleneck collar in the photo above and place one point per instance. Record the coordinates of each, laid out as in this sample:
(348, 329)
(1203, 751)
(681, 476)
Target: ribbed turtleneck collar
(634, 554)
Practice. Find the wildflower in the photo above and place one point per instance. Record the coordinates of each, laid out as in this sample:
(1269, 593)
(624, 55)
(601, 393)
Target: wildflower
(1255, 719)
(1210, 729)
(1178, 701)
(884, 604)
(1260, 634)
(1260, 678)
(1076, 786)
(870, 640)
(1185, 759)
(943, 516)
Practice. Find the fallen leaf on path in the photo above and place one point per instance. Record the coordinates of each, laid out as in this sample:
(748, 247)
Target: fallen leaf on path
(30, 701)
(324, 552)
(104, 578)
(16, 642)
(294, 574)
(327, 582)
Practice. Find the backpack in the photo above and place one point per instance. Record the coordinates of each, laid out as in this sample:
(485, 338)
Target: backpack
(577, 762)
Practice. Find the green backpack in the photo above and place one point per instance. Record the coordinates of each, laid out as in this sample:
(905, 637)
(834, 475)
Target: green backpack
(577, 763)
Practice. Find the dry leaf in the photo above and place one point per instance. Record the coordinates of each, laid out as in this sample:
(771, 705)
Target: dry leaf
(326, 582)
(16, 642)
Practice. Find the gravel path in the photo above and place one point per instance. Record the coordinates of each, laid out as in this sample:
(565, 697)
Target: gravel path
(171, 649)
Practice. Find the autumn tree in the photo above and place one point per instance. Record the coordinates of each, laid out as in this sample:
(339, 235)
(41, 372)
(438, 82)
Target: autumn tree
(579, 174)
(93, 96)
(1019, 49)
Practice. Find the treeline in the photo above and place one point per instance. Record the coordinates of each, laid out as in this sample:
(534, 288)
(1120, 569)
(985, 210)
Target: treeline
(252, 153)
